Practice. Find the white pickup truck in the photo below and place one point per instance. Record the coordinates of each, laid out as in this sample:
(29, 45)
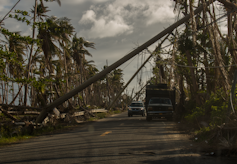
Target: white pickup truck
(159, 107)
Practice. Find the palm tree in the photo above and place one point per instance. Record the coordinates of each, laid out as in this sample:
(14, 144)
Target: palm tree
(41, 12)
(15, 70)
(78, 50)
(18, 47)
(78, 54)
(116, 78)
(41, 2)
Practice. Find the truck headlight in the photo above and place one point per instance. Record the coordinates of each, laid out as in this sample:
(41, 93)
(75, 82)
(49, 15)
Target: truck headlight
(149, 108)
(170, 108)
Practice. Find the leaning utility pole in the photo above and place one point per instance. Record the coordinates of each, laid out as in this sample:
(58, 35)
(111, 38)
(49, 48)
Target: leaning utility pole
(98, 76)
(107, 83)
(142, 89)
(129, 81)
(151, 54)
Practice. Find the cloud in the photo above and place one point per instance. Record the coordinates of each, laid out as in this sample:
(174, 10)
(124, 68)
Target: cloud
(103, 26)
(4, 7)
(162, 14)
(88, 17)
(119, 17)
(84, 1)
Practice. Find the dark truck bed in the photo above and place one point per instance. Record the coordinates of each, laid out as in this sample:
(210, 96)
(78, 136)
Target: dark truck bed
(160, 91)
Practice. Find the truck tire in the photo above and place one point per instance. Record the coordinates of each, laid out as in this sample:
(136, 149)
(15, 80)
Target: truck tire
(170, 119)
(148, 118)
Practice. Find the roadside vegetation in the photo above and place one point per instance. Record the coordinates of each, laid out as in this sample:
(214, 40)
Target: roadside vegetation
(201, 65)
(10, 135)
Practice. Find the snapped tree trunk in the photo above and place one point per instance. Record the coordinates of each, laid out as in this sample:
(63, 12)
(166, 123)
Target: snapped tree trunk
(194, 87)
(216, 49)
(30, 56)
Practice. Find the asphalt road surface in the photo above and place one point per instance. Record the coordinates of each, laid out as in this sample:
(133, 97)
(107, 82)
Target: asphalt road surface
(117, 139)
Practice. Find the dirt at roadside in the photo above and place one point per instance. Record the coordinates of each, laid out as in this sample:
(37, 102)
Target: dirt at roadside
(203, 147)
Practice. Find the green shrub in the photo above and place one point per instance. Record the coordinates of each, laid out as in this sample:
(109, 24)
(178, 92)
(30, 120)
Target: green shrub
(101, 115)
(213, 110)
(218, 114)
(117, 111)
(91, 119)
(203, 133)
(195, 114)
(3, 132)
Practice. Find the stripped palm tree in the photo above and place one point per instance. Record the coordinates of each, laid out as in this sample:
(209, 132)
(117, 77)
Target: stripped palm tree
(78, 54)
(18, 47)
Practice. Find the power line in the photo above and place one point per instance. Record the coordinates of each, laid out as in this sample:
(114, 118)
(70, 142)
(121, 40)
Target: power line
(206, 67)
(185, 66)
(130, 62)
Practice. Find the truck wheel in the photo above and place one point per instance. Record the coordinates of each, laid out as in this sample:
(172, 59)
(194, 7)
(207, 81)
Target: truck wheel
(148, 118)
(169, 118)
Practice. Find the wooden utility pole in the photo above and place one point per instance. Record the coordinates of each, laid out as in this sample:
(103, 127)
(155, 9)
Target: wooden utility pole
(141, 89)
(107, 83)
(98, 76)
(129, 81)
(151, 54)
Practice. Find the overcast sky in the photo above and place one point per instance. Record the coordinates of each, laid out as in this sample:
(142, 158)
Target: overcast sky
(115, 26)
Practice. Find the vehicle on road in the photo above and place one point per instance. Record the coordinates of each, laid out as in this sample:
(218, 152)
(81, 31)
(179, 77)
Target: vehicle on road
(160, 102)
(136, 108)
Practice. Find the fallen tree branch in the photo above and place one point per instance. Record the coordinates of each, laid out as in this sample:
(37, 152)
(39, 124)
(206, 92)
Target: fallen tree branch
(7, 114)
(20, 107)
(16, 95)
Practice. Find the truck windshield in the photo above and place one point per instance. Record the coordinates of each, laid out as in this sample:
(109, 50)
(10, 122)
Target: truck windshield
(136, 105)
(160, 101)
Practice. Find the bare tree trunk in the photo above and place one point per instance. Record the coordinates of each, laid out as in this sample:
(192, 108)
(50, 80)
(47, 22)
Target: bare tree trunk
(3, 98)
(213, 33)
(7, 92)
(193, 77)
(66, 73)
(0, 98)
(82, 92)
(207, 72)
(7, 114)
(30, 56)
(231, 44)
(193, 22)
(13, 100)
(210, 87)
(182, 95)
(173, 67)
(218, 58)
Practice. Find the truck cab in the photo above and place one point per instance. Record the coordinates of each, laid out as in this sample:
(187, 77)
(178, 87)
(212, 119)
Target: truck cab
(160, 107)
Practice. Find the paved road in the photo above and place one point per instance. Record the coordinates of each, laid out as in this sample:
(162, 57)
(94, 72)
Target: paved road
(118, 139)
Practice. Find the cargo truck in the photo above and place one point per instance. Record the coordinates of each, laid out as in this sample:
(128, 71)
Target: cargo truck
(159, 102)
